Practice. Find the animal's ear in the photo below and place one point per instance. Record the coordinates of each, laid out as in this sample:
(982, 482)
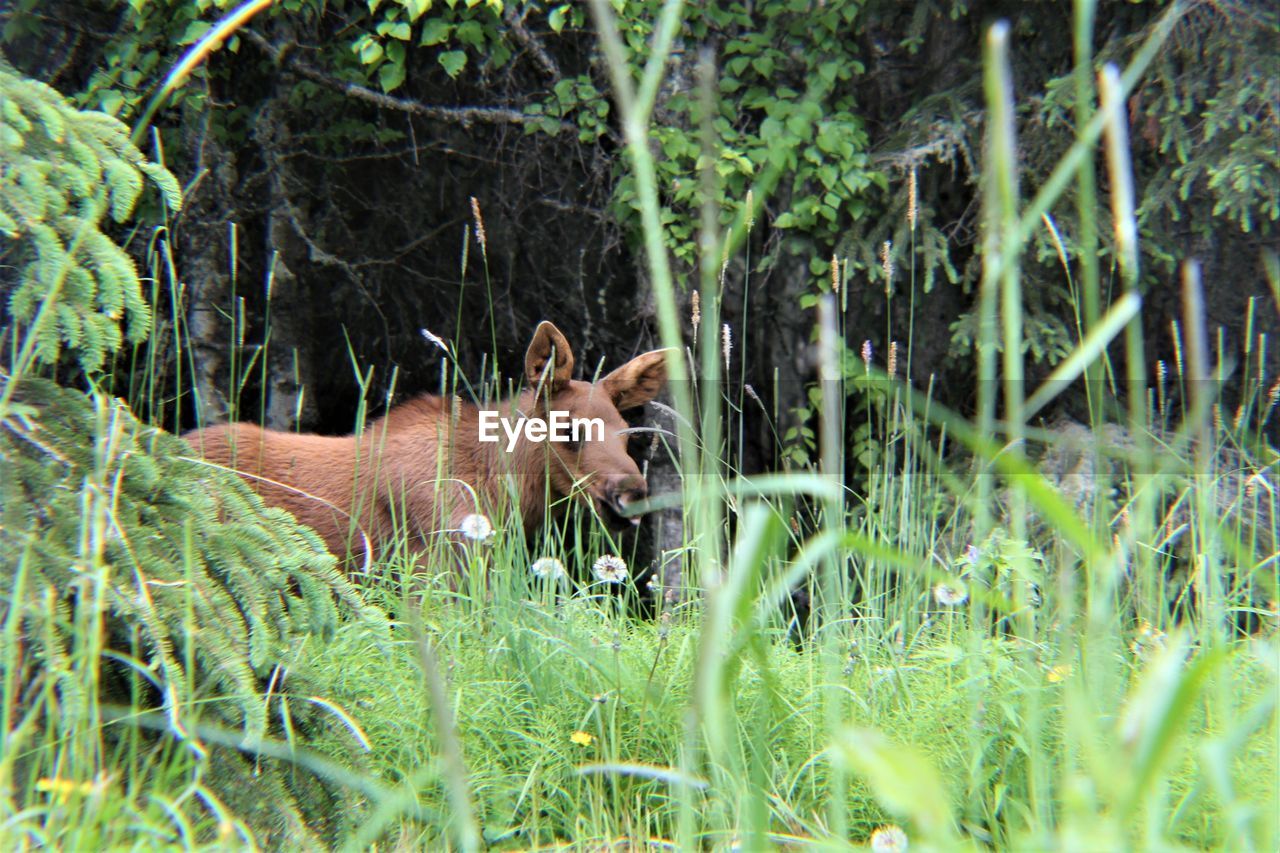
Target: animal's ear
(548, 355)
(638, 381)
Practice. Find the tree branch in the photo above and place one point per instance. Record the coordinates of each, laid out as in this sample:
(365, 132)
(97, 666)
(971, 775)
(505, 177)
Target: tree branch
(465, 116)
(532, 43)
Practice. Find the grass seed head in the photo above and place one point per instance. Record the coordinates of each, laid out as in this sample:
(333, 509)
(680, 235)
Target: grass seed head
(911, 198)
(480, 235)
(435, 339)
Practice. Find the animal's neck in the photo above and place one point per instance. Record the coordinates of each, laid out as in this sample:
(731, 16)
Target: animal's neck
(513, 482)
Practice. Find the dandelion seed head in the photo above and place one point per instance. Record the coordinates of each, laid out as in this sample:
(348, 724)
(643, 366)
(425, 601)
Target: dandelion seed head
(476, 527)
(950, 593)
(889, 839)
(1147, 639)
(610, 568)
(548, 568)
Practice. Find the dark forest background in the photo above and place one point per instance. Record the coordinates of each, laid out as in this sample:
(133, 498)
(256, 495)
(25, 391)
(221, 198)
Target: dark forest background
(333, 149)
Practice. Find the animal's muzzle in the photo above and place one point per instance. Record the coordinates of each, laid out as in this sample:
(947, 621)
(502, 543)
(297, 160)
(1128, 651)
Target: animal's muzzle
(619, 497)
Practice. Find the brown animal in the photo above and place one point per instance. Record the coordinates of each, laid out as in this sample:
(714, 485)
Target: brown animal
(422, 468)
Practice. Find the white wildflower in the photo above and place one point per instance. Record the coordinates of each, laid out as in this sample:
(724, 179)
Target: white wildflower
(950, 593)
(549, 568)
(610, 569)
(889, 839)
(476, 527)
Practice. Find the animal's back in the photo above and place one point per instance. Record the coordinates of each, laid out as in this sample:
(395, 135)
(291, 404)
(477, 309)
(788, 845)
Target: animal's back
(312, 476)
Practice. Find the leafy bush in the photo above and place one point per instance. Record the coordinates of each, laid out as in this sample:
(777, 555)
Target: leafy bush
(218, 588)
(139, 588)
(62, 171)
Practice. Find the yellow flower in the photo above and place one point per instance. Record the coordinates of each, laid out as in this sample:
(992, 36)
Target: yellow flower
(582, 738)
(63, 788)
(1058, 673)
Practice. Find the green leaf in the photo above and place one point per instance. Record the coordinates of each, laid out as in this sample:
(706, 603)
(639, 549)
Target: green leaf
(557, 16)
(434, 31)
(370, 52)
(471, 33)
(453, 61)
(390, 76)
(902, 779)
(194, 32)
(111, 101)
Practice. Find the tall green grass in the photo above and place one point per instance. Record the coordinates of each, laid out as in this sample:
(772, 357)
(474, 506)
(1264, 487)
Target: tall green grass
(999, 655)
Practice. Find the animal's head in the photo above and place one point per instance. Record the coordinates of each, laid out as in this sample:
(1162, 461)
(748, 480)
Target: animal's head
(597, 465)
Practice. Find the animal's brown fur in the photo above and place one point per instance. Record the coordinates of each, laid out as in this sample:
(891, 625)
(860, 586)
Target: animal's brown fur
(422, 468)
